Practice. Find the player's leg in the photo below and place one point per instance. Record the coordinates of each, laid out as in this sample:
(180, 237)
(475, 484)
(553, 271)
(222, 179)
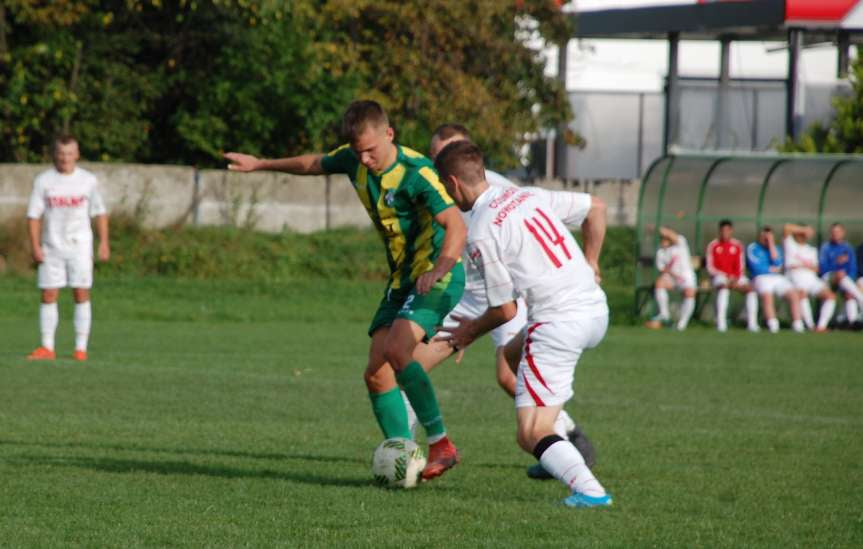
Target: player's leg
(80, 271)
(847, 284)
(792, 296)
(558, 456)
(723, 293)
(51, 276)
(751, 297)
(828, 307)
(660, 292)
(687, 307)
(806, 311)
(386, 399)
(769, 311)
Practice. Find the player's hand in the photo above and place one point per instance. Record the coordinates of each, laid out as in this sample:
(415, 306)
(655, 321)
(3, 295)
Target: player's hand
(104, 251)
(459, 355)
(459, 336)
(427, 280)
(242, 162)
(597, 274)
(38, 255)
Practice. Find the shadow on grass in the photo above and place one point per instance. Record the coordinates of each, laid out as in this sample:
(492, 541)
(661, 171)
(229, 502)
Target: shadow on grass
(186, 451)
(125, 466)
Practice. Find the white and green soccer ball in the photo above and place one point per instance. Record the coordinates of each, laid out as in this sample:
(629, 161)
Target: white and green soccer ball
(397, 463)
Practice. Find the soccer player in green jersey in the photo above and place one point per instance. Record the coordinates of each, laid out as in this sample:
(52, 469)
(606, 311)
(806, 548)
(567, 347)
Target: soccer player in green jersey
(424, 237)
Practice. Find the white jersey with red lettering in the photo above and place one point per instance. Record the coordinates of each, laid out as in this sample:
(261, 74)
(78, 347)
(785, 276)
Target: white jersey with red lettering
(518, 240)
(677, 260)
(65, 203)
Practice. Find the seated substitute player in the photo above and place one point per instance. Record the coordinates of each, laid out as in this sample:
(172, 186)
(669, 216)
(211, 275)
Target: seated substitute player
(521, 247)
(424, 237)
(581, 209)
(838, 267)
(63, 201)
(675, 272)
(727, 272)
(801, 267)
(764, 260)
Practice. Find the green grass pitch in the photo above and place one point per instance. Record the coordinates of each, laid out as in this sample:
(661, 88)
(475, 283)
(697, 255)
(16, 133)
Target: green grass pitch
(231, 414)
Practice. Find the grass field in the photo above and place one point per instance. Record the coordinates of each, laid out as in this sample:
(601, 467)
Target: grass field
(234, 414)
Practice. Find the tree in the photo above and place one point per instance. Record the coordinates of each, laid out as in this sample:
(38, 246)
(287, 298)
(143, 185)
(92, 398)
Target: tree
(843, 134)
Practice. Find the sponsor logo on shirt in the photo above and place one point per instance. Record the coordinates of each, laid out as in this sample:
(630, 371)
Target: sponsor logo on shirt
(510, 206)
(390, 197)
(507, 194)
(66, 201)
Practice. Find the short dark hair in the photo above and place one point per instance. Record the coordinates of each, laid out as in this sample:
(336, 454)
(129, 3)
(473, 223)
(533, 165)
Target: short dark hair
(64, 139)
(766, 229)
(361, 114)
(462, 159)
(725, 223)
(450, 130)
(837, 224)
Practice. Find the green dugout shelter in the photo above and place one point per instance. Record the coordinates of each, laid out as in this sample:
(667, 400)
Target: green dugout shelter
(691, 193)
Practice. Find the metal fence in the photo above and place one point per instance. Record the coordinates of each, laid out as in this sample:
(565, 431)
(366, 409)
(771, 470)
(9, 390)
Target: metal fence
(624, 130)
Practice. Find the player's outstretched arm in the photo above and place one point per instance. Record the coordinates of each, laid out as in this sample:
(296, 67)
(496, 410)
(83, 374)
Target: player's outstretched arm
(306, 164)
(455, 235)
(34, 227)
(792, 229)
(593, 233)
(669, 233)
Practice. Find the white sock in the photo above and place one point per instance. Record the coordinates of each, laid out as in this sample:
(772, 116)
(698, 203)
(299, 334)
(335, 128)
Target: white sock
(563, 424)
(806, 313)
(797, 326)
(773, 325)
(686, 309)
(722, 308)
(851, 309)
(826, 313)
(563, 461)
(662, 303)
(48, 318)
(752, 309)
(83, 316)
(848, 285)
(413, 421)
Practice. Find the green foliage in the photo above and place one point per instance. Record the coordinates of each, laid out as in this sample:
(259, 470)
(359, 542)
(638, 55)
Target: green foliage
(179, 82)
(844, 134)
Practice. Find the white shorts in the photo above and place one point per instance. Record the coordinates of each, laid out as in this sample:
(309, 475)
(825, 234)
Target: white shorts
(58, 271)
(474, 303)
(684, 282)
(772, 284)
(551, 351)
(722, 280)
(807, 281)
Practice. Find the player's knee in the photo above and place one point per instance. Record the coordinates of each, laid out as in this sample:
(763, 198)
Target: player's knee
(50, 295)
(397, 358)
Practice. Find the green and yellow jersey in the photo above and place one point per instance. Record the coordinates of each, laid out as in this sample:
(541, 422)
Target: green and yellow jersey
(401, 202)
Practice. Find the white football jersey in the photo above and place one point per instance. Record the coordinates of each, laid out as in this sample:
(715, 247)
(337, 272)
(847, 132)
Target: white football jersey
(676, 257)
(65, 203)
(799, 255)
(518, 240)
(473, 281)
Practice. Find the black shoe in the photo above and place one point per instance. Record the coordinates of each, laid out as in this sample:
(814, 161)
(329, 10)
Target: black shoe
(583, 445)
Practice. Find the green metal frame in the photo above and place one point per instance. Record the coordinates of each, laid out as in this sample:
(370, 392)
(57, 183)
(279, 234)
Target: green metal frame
(700, 218)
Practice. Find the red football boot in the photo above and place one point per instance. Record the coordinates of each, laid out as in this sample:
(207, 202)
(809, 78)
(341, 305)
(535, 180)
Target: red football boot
(442, 456)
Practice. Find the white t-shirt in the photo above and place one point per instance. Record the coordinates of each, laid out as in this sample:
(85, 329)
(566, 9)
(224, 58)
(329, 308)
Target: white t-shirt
(518, 240)
(473, 281)
(65, 203)
(677, 257)
(799, 255)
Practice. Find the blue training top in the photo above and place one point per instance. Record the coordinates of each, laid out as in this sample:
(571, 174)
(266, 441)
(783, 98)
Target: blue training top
(837, 257)
(758, 259)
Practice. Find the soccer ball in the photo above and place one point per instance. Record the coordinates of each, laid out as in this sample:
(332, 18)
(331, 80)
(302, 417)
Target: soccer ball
(397, 463)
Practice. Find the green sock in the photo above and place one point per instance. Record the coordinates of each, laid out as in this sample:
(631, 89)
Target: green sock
(418, 387)
(390, 411)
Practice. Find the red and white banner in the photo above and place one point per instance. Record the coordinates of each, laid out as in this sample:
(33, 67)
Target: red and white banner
(846, 14)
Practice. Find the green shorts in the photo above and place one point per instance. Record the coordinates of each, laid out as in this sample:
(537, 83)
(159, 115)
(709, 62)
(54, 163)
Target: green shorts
(428, 310)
